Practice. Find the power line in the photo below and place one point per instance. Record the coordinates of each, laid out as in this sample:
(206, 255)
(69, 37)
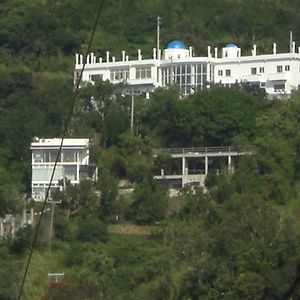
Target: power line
(293, 288)
(60, 148)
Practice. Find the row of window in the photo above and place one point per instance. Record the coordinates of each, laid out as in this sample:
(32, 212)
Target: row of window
(50, 156)
(44, 173)
(123, 74)
(143, 72)
(255, 70)
(262, 69)
(119, 74)
(259, 70)
(227, 72)
(280, 68)
(182, 74)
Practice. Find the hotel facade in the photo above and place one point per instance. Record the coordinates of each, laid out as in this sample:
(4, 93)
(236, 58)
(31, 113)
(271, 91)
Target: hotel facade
(277, 73)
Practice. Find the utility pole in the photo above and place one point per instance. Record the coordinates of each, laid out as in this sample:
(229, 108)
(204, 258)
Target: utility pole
(291, 41)
(52, 214)
(51, 225)
(132, 112)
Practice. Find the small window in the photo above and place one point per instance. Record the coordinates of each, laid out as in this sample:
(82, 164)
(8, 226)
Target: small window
(142, 72)
(220, 73)
(287, 68)
(279, 69)
(279, 87)
(253, 71)
(94, 77)
(261, 70)
(228, 72)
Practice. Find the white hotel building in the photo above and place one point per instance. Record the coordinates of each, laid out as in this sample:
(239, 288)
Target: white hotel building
(277, 73)
(73, 164)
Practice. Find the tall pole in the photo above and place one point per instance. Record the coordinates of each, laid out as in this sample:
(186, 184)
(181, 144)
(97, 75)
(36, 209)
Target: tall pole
(158, 27)
(51, 225)
(132, 112)
(291, 41)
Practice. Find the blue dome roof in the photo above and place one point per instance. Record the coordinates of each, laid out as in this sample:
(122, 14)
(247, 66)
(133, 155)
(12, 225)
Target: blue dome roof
(231, 46)
(176, 44)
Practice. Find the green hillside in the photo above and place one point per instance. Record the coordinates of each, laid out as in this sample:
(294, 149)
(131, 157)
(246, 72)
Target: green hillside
(239, 240)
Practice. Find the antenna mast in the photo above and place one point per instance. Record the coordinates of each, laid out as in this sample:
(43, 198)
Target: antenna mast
(291, 41)
(158, 38)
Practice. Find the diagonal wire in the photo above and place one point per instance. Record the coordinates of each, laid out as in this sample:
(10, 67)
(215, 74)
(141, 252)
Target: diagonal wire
(293, 288)
(68, 120)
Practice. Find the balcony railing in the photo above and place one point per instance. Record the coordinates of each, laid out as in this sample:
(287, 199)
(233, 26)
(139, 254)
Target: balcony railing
(205, 150)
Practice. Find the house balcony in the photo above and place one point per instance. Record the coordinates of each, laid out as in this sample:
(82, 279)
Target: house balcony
(283, 76)
(253, 78)
(143, 81)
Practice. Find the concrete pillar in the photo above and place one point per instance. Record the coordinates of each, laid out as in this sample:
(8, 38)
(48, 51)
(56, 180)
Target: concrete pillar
(123, 55)
(100, 60)
(81, 59)
(208, 74)
(159, 54)
(139, 54)
(208, 52)
(87, 59)
(107, 56)
(216, 52)
(1, 228)
(154, 53)
(254, 50)
(13, 227)
(190, 51)
(113, 59)
(127, 58)
(229, 162)
(77, 58)
(206, 165)
(274, 48)
(159, 76)
(294, 47)
(183, 166)
(23, 221)
(92, 57)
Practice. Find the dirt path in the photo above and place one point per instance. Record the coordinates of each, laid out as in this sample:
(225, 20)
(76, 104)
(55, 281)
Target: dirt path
(131, 229)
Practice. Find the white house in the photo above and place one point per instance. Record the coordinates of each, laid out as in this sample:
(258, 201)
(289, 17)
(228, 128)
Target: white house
(73, 164)
(277, 73)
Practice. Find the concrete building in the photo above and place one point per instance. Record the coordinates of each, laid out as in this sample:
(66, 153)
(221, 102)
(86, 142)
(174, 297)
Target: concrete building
(73, 164)
(192, 165)
(277, 73)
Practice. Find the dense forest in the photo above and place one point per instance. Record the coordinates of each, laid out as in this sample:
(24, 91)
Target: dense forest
(239, 238)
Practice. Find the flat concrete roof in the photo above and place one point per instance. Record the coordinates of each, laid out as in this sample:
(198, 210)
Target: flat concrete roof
(42, 143)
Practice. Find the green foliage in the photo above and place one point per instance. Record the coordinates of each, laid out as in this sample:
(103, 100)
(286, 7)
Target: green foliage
(9, 194)
(239, 240)
(101, 108)
(91, 230)
(10, 274)
(22, 241)
(213, 117)
(62, 290)
(243, 253)
(149, 203)
(108, 188)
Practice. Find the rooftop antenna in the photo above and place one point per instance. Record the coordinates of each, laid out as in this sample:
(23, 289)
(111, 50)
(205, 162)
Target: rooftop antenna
(291, 41)
(158, 27)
